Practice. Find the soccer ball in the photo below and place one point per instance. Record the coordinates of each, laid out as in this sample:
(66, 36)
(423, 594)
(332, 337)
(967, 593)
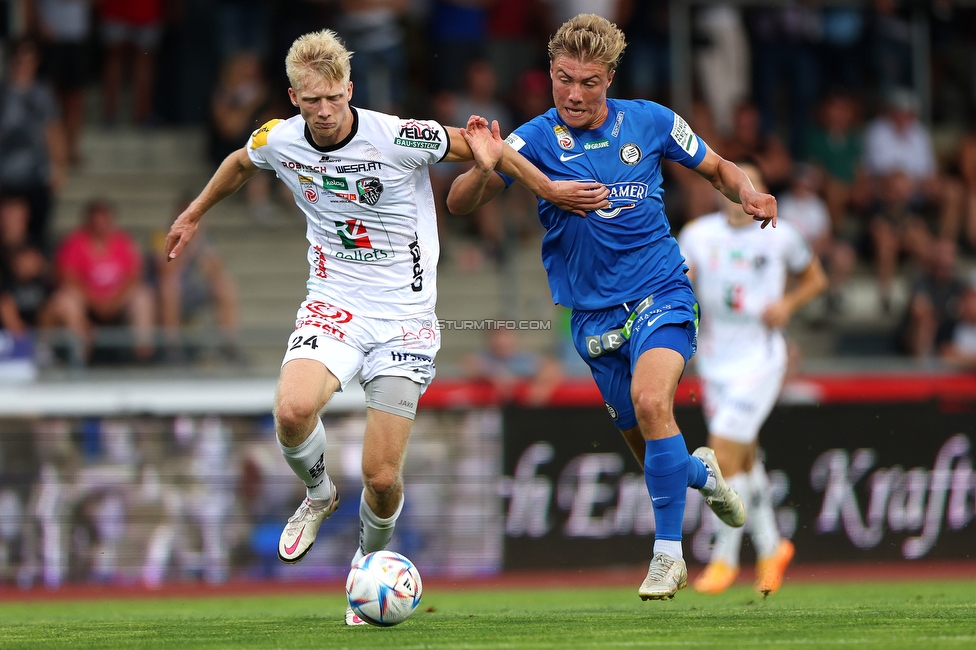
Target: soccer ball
(384, 588)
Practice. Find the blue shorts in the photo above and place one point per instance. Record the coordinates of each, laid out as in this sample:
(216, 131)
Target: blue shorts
(669, 321)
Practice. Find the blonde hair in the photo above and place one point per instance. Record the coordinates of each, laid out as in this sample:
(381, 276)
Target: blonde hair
(589, 37)
(318, 53)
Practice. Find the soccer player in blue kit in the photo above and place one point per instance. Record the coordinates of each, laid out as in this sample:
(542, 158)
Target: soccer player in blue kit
(635, 316)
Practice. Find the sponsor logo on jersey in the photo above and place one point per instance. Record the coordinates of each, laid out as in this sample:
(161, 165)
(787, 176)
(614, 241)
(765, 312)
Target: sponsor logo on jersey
(353, 234)
(623, 196)
(596, 144)
(515, 142)
(355, 239)
(346, 196)
(684, 136)
(369, 189)
(334, 183)
(616, 125)
(630, 154)
(564, 137)
(418, 270)
(418, 135)
(297, 166)
(260, 137)
(358, 167)
(329, 311)
(325, 159)
(308, 188)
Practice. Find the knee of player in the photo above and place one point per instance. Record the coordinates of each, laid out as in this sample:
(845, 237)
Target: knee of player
(652, 405)
(381, 480)
(293, 416)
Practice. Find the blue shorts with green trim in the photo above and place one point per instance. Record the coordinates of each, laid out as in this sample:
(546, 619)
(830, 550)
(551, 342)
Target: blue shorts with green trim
(669, 321)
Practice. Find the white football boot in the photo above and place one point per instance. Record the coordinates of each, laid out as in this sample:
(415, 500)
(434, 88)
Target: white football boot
(352, 618)
(665, 576)
(723, 500)
(300, 531)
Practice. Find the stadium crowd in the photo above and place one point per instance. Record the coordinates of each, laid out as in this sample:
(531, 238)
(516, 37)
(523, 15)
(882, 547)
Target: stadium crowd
(873, 159)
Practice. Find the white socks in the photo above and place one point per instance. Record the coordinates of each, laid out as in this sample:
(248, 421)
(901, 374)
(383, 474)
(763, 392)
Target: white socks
(307, 460)
(374, 532)
(762, 519)
(670, 547)
(728, 540)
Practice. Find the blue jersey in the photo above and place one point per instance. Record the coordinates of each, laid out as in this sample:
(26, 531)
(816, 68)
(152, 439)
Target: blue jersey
(626, 252)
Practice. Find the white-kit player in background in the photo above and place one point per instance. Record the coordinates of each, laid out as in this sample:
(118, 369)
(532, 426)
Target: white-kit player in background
(740, 274)
(361, 179)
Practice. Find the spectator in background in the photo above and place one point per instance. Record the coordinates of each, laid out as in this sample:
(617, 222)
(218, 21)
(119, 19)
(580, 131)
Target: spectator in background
(27, 285)
(646, 72)
(835, 145)
(64, 27)
(505, 365)
(960, 349)
(33, 160)
(802, 207)
(749, 142)
(242, 26)
(784, 54)
(967, 169)
(897, 226)
(241, 102)
(188, 285)
(890, 44)
(371, 29)
(99, 268)
(841, 51)
(517, 30)
(131, 30)
(934, 303)
(897, 141)
(722, 62)
(458, 36)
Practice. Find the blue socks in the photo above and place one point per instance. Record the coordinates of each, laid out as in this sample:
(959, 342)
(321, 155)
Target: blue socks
(669, 470)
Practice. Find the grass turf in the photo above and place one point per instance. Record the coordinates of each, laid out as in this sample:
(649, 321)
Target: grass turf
(884, 615)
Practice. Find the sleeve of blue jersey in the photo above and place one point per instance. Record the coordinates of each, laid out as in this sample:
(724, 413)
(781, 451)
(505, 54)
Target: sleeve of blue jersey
(665, 121)
(526, 133)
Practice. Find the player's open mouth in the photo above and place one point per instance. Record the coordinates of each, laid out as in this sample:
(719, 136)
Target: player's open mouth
(575, 112)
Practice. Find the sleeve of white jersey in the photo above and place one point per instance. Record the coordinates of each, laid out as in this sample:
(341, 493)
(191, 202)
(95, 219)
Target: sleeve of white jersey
(257, 145)
(417, 142)
(797, 250)
(687, 243)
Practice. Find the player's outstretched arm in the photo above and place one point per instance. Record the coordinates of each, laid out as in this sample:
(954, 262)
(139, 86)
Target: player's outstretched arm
(734, 184)
(811, 282)
(476, 189)
(236, 169)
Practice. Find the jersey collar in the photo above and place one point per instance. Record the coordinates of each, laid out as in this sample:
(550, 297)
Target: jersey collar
(338, 145)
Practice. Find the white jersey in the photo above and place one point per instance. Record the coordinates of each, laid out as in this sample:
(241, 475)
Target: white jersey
(738, 273)
(372, 227)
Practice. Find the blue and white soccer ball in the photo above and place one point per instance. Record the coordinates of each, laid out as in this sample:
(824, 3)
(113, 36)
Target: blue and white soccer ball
(384, 588)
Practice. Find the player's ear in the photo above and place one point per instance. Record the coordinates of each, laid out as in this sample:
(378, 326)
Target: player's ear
(292, 96)
(349, 93)
(610, 77)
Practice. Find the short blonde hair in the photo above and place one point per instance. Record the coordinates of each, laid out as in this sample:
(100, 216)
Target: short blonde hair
(318, 53)
(589, 37)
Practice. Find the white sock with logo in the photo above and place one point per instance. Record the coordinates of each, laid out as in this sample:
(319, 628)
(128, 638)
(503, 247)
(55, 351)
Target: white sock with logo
(762, 518)
(728, 540)
(307, 460)
(374, 532)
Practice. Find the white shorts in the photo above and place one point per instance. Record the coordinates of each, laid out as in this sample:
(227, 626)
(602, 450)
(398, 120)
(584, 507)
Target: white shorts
(346, 344)
(735, 409)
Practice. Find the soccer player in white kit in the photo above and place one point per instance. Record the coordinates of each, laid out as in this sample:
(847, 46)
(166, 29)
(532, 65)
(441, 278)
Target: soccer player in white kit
(361, 179)
(740, 273)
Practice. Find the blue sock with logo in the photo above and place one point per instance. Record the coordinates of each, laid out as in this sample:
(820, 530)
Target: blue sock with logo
(666, 475)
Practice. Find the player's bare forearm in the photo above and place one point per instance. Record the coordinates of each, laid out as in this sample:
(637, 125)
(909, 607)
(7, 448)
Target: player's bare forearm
(234, 171)
(735, 185)
(811, 282)
(473, 189)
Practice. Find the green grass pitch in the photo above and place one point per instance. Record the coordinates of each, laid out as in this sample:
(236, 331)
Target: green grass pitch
(806, 615)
